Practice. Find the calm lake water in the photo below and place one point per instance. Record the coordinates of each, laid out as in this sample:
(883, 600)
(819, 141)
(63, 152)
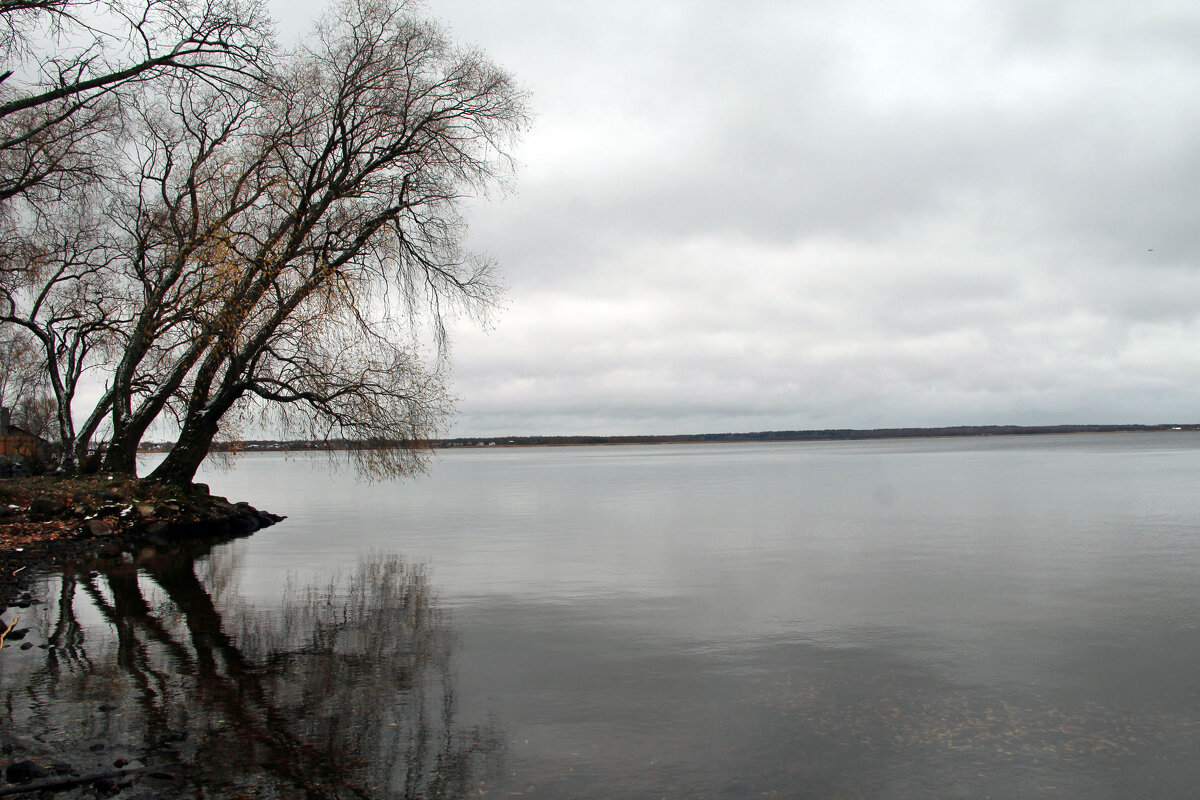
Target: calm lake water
(988, 617)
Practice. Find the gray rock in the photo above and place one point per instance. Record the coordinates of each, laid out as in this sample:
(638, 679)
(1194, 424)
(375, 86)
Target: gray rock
(98, 527)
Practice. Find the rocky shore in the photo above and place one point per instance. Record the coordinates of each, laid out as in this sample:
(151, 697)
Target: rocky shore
(46, 521)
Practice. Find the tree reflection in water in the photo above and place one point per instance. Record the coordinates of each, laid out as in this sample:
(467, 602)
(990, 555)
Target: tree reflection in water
(345, 691)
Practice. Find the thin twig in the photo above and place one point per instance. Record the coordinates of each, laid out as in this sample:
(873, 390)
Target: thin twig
(11, 625)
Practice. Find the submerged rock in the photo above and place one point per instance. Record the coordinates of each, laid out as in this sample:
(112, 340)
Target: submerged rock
(24, 771)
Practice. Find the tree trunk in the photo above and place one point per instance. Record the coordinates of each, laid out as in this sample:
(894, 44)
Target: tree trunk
(121, 457)
(129, 429)
(180, 465)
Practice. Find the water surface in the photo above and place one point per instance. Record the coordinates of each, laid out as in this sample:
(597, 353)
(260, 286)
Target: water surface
(1003, 617)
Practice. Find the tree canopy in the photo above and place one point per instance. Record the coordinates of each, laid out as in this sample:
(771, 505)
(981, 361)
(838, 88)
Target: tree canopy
(218, 231)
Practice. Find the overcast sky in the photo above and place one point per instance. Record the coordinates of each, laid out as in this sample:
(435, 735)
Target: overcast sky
(838, 213)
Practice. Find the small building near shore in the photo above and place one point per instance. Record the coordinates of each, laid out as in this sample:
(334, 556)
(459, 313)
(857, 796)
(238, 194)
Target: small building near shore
(18, 443)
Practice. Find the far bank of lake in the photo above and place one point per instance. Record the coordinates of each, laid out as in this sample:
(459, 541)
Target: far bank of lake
(822, 435)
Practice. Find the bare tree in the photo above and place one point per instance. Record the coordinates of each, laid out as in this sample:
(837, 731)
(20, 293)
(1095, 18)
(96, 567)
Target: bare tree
(58, 295)
(274, 246)
(201, 167)
(60, 109)
(23, 387)
(377, 130)
(21, 373)
(78, 72)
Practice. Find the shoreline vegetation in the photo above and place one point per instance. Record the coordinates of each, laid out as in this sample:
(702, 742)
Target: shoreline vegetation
(50, 521)
(829, 434)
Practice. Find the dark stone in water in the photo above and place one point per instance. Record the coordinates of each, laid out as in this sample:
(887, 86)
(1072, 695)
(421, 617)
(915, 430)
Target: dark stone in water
(17, 635)
(108, 786)
(109, 549)
(157, 528)
(244, 525)
(24, 771)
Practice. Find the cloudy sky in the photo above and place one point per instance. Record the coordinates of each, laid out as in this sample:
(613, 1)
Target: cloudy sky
(764, 215)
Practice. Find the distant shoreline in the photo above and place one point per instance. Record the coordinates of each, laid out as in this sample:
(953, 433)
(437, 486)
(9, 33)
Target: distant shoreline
(826, 435)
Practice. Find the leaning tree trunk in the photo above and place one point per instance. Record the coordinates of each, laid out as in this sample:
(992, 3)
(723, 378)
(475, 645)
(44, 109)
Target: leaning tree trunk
(121, 453)
(129, 428)
(180, 465)
(200, 425)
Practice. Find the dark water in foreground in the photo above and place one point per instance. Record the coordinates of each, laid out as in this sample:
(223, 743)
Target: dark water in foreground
(1005, 618)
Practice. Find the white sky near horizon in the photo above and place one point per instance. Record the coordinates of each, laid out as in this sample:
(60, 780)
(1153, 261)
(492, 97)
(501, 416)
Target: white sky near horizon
(767, 215)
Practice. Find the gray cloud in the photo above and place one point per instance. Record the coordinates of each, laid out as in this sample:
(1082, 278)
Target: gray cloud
(768, 215)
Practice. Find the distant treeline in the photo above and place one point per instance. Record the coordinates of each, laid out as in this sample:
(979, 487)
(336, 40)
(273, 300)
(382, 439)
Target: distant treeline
(833, 434)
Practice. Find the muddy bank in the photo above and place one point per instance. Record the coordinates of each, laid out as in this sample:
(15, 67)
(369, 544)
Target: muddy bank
(47, 522)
